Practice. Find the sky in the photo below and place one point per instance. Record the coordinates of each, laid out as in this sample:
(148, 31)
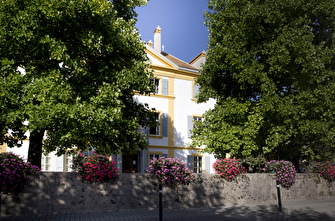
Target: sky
(184, 34)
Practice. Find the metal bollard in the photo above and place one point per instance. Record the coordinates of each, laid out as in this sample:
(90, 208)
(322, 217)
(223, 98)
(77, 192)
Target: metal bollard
(160, 191)
(279, 196)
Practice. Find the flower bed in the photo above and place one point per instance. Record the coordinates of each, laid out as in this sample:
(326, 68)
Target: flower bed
(284, 172)
(14, 173)
(170, 171)
(95, 168)
(229, 169)
(325, 169)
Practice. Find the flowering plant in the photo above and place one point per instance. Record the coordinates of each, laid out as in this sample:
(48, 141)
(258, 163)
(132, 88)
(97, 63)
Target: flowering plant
(228, 168)
(170, 171)
(94, 168)
(14, 173)
(325, 169)
(284, 172)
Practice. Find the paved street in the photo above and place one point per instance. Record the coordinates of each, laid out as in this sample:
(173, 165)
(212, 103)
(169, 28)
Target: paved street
(306, 210)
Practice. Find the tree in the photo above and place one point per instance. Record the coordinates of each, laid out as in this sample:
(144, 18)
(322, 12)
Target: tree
(270, 65)
(69, 70)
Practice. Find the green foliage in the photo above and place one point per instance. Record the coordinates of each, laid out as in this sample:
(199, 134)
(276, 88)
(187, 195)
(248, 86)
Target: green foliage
(71, 68)
(228, 129)
(270, 65)
(254, 164)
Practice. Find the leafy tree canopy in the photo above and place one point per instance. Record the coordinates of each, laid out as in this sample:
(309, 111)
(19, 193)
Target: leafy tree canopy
(68, 72)
(271, 67)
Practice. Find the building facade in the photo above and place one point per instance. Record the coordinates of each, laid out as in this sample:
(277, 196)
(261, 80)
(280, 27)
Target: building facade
(176, 109)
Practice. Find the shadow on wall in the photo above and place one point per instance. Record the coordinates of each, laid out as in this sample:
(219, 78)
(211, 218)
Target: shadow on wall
(212, 190)
(54, 193)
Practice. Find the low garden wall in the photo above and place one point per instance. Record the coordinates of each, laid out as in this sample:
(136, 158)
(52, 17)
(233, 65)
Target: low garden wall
(64, 193)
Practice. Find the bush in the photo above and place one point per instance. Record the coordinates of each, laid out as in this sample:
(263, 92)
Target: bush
(254, 164)
(325, 169)
(170, 171)
(284, 172)
(229, 168)
(14, 173)
(95, 168)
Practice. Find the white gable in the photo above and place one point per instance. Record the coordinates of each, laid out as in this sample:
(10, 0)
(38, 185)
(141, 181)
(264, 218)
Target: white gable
(158, 59)
(155, 61)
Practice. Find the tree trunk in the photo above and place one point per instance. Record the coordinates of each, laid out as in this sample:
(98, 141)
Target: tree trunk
(35, 147)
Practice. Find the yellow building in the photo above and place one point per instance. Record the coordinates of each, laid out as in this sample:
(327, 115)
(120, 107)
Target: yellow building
(3, 148)
(175, 103)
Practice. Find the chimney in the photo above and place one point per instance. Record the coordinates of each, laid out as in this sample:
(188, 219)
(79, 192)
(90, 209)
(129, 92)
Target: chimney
(157, 39)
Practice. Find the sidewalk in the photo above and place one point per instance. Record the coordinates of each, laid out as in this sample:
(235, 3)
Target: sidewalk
(306, 210)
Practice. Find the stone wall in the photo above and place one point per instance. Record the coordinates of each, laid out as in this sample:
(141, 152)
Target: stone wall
(64, 193)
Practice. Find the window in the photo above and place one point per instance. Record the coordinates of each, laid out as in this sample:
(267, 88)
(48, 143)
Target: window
(155, 130)
(155, 83)
(190, 123)
(161, 130)
(160, 85)
(154, 156)
(196, 118)
(197, 164)
(67, 163)
(196, 89)
(46, 163)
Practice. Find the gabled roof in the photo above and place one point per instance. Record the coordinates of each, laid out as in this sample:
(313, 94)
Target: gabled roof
(180, 63)
(167, 60)
(199, 56)
(158, 59)
(162, 59)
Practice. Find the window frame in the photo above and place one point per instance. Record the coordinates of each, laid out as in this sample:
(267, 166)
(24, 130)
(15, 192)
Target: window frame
(162, 86)
(46, 163)
(158, 127)
(196, 118)
(198, 163)
(154, 154)
(195, 90)
(157, 88)
(67, 163)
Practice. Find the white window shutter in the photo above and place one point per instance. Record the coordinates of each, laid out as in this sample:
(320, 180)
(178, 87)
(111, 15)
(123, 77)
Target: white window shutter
(208, 164)
(196, 90)
(165, 89)
(190, 159)
(189, 125)
(165, 121)
(146, 160)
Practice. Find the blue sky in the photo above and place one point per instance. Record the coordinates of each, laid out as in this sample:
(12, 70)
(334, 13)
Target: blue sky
(184, 34)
